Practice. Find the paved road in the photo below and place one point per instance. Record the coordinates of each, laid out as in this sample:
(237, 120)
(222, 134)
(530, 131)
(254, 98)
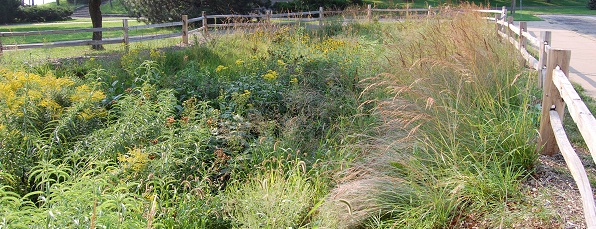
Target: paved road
(576, 33)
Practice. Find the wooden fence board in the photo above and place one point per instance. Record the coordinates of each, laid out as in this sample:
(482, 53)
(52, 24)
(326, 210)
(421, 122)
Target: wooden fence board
(51, 32)
(154, 37)
(293, 14)
(576, 168)
(236, 16)
(63, 44)
(195, 19)
(151, 26)
(400, 10)
(578, 110)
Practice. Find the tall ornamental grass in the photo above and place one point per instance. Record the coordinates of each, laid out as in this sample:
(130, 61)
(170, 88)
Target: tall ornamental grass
(468, 108)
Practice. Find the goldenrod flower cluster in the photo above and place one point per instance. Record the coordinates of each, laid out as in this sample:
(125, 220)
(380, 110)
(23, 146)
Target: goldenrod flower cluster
(220, 68)
(135, 159)
(270, 75)
(329, 44)
(19, 90)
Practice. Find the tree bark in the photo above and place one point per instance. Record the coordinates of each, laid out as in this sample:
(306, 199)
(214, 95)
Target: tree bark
(95, 13)
(57, 2)
(513, 7)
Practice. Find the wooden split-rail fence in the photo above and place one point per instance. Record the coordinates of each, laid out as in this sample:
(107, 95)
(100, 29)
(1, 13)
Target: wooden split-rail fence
(236, 21)
(551, 63)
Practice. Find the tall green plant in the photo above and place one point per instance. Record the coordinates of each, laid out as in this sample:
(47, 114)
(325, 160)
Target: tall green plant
(469, 108)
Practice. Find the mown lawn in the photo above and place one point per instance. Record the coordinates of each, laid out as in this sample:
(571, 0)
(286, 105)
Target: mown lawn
(75, 24)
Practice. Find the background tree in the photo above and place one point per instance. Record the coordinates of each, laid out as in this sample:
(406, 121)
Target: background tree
(95, 13)
(315, 4)
(592, 5)
(8, 10)
(168, 10)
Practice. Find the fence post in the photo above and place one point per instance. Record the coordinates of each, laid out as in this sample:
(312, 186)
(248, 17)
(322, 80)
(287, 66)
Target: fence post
(429, 10)
(369, 13)
(125, 32)
(551, 100)
(497, 24)
(545, 39)
(509, 23)
(0, 47)
(504, 13)
(321, 16)
(268, 16)
(205, 28)
(523, 27)
(185, 29)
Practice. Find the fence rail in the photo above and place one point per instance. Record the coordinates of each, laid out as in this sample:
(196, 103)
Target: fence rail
(296, 17)
(558, 92)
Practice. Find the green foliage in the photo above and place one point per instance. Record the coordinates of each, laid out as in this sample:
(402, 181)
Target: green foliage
(164, 10)
(43, 14)
(592, 5)
(9, 10)
(315, 4)
(250, 130)
(471, 110)
(272, 199)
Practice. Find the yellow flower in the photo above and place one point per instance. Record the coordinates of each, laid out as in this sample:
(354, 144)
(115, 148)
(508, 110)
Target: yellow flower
(294, 80)
(50, 104)
(220, 68)
(85, 93)
(281, 63)
(270, 75)
(239, 62)
(136, 159)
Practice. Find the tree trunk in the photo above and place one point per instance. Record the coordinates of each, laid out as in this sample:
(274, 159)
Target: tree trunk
(95, 13)
(57, 2)
(513, 7)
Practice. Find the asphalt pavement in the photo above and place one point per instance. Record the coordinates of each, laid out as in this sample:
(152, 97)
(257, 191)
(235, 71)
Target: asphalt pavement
(578, 34)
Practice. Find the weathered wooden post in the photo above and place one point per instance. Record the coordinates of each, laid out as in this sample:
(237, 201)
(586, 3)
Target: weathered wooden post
(321, 16)
(268, 16)
(545, 39)
(369, 13)
(523, 27)
(551, 100)
(504, 13)
(125, 33)
(429, 10)
(185, 29)
(0, 47)
(509, 23)
(205, 28)
(497, 26)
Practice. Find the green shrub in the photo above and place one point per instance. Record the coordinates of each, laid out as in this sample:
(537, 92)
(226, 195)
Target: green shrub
(315, 4)
(9, 10)
(592, 4)
(272, 199)
(43, 14)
